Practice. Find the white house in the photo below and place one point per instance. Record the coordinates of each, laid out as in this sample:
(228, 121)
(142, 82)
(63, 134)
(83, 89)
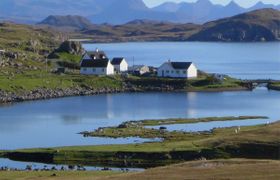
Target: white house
(120, 65)
(177, 70)
(97, 67)
(96, 63)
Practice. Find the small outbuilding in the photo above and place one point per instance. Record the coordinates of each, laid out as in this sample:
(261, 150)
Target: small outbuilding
(120, 64)
(139, 69)
(178, 70)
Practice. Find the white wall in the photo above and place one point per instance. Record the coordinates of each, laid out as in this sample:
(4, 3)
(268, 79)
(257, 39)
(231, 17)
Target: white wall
(110, 69)
(123, 67)
(166, 70)
(98, 71)
(192, 71)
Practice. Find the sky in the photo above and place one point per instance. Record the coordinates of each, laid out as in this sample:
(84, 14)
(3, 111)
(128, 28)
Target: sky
(244, 3)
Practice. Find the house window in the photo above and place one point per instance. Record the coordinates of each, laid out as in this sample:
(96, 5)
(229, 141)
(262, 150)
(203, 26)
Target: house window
(167, 72)
(178, 72)
(172, 72)
(93, 70)
(84, 69)
(103, 70)
(184, 72)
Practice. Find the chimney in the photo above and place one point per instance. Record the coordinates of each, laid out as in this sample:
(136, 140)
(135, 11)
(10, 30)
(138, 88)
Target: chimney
(97, 50)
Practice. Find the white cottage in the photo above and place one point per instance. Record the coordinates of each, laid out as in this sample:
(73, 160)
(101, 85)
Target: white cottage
(120, 65)
(178, 70)
(96, 63)
(97, 67)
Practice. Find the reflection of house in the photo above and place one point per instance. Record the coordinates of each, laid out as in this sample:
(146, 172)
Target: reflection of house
(139, 69)
(96, 63)
(120, 64)
(177, 70)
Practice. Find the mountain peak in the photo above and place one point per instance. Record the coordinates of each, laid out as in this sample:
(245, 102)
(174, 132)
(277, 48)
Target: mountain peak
(232, 4)
(73, 21)
(203, 2)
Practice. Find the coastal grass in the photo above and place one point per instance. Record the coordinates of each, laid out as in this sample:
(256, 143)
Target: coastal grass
(60, 175)
(237, 169)
(211, 169)
(138, 128)
(192, 120)
(69, 57)
(32, 80)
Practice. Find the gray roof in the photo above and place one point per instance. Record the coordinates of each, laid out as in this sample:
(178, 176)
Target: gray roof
(181, 65)
(100, 63)
(117, 61)
(97, 54)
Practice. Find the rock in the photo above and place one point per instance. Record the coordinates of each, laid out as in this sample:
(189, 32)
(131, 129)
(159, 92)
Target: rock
(11, 55)
(71, 47)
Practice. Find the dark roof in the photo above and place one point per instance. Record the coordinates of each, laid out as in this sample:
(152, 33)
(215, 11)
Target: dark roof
(97, 54)
(181, 65)
(86, 58)
(117, 61)
(99, 63)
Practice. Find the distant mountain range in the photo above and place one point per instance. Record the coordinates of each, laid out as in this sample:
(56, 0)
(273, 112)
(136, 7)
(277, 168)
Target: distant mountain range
(257, 25)
(120, 11)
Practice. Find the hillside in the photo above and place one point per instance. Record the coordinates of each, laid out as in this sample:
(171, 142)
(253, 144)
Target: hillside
(25, 47)
(258, 25)
(77, 22)
(120, 12)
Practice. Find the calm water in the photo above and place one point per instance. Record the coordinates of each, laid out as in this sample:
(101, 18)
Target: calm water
(241, 60)
(22, 165)
(56, 122)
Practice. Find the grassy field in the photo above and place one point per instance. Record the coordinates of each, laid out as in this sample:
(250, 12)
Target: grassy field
(32, 80)
(236, 169)
(54, 175)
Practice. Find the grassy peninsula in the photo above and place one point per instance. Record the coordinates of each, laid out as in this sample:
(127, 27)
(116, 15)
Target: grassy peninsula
(259, 142)
(138, 128)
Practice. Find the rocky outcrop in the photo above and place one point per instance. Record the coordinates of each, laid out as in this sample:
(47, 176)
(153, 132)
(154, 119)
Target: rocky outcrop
(70, 47)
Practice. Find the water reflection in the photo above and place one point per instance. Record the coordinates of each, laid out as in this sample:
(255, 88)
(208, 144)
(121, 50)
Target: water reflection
(192, 103)
(71, 120)
(56, 122)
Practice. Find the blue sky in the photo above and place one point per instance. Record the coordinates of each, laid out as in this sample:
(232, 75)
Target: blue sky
(244, 3)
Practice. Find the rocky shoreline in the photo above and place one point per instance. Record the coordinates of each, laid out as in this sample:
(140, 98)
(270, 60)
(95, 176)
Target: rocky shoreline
(274, 87)
(43, 94)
